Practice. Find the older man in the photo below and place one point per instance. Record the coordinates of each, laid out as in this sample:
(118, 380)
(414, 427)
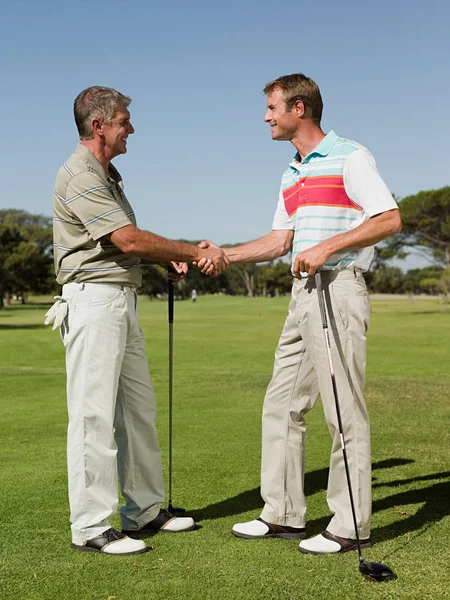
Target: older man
(98, 249)
(333, 207)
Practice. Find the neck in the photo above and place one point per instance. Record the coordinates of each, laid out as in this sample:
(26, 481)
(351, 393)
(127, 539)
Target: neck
(307, 138)
(99, 151)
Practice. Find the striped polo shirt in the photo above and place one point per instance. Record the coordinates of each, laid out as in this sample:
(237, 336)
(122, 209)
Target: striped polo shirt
(89, 204)
(334, 189)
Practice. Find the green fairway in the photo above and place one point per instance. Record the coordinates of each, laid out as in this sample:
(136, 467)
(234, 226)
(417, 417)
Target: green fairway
(223, 357)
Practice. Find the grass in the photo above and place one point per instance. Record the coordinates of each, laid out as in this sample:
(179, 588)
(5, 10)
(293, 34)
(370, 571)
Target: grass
(223, 359)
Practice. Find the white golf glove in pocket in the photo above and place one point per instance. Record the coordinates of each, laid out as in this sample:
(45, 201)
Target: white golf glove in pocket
(57, 313)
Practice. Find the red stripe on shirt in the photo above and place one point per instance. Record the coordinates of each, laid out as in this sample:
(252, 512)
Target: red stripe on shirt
(318, 191)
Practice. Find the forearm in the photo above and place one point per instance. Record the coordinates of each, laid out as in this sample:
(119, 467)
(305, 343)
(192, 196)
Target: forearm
(367, 234)
(277, 243)
(152, 247)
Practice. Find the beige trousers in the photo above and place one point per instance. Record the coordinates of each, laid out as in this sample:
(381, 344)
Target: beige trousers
(112, 411)
(300, 373)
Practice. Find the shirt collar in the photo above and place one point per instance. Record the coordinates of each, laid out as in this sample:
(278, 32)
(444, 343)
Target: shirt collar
(323, 148)
(86, 154)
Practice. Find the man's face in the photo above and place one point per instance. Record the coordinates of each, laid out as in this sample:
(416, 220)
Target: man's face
(117, 131)
(283, 124)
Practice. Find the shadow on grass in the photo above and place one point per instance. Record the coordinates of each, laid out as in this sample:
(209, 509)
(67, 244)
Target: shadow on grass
(315, 481)
(27, 306)
(434, 499)
(435, 507)
(36, 326)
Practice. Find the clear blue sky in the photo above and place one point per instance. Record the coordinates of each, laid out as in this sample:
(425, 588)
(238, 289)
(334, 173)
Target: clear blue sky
(202, 163)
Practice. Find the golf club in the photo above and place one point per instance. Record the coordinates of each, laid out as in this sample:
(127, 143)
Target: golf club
(370, 570)
(176, 510)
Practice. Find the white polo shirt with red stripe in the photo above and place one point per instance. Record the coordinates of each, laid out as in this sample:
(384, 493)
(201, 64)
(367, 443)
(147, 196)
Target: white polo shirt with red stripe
(334, 189)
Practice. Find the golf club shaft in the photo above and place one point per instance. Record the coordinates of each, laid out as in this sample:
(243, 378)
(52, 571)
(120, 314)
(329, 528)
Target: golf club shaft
(170, 310)
(323, 315)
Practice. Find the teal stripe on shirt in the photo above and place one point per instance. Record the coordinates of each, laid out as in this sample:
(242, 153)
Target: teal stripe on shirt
(330, 217)
(322, 229)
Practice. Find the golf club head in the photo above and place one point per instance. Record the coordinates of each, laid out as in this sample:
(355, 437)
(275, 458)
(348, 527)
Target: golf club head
(176, 510)
(375, 571)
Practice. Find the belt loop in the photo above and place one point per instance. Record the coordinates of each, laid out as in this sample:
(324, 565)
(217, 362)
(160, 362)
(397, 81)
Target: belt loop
(82, 286)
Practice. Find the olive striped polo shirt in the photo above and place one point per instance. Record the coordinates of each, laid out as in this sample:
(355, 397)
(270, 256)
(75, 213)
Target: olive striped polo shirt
(89, 204)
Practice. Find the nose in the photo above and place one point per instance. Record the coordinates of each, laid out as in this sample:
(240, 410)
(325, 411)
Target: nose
(130, 128)
(268, 116)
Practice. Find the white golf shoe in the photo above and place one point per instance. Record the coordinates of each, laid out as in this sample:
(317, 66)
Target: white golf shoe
(112, 542)
(259, 529)
(165, 522)
(327, 543)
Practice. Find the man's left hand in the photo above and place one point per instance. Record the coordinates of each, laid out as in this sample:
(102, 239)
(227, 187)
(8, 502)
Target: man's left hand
(309, 261)
(177, 271)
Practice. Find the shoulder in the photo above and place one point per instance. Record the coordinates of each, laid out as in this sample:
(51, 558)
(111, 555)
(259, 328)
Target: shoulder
(347, 147)
(76, 165)
(355, 155)
(77, 173)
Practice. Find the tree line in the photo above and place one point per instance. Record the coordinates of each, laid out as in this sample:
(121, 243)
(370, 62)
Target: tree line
(26, 258)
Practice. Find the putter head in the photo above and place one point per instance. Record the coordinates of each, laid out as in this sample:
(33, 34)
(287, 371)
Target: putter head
(375, 571)
(176, 510)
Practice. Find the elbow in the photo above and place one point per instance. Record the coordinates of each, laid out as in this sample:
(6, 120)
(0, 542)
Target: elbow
(285, 248)
(126, 240)
(397, 223)
(125, 245)
(128, 247)
(285, 245)
(391, 222)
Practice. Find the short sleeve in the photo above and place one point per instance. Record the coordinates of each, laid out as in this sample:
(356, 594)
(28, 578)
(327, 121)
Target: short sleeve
(281, 219)
(93, 203)
(365, 186)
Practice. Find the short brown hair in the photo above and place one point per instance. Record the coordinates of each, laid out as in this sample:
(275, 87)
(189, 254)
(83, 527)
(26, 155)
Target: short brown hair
(96, 101)
(299, 87)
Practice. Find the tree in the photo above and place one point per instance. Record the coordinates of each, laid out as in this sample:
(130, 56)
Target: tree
(444, 284)
(386, 280)
(275, 279)
(10, 238)
(423, 281)
(426, 224)
(29, 269)
(247, 273)
(154, 281)
(26, 253)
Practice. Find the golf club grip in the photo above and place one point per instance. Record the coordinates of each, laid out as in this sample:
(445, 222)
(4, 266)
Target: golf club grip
(323, 312)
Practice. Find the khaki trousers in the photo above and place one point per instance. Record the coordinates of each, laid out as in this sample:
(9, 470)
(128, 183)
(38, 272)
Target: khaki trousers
(112, 411)
(300, 373)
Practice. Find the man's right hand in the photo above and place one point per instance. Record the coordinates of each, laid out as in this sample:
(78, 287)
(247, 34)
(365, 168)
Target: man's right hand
(213, 259)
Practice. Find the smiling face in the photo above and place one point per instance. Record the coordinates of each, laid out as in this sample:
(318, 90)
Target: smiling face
(284, 124)
(116, 133)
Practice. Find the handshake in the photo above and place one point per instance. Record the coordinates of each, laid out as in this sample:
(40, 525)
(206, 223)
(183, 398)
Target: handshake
(210, 260)
(213, 259)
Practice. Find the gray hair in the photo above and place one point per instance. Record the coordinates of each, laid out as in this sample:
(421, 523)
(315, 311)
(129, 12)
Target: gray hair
(96, 101)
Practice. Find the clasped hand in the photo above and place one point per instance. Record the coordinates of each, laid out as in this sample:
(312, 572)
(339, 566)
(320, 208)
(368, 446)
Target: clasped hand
(309, 261)
(214, 259)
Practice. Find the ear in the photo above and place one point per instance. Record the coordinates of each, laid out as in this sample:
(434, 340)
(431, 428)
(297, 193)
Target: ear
(97, 126)
(299, 108)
